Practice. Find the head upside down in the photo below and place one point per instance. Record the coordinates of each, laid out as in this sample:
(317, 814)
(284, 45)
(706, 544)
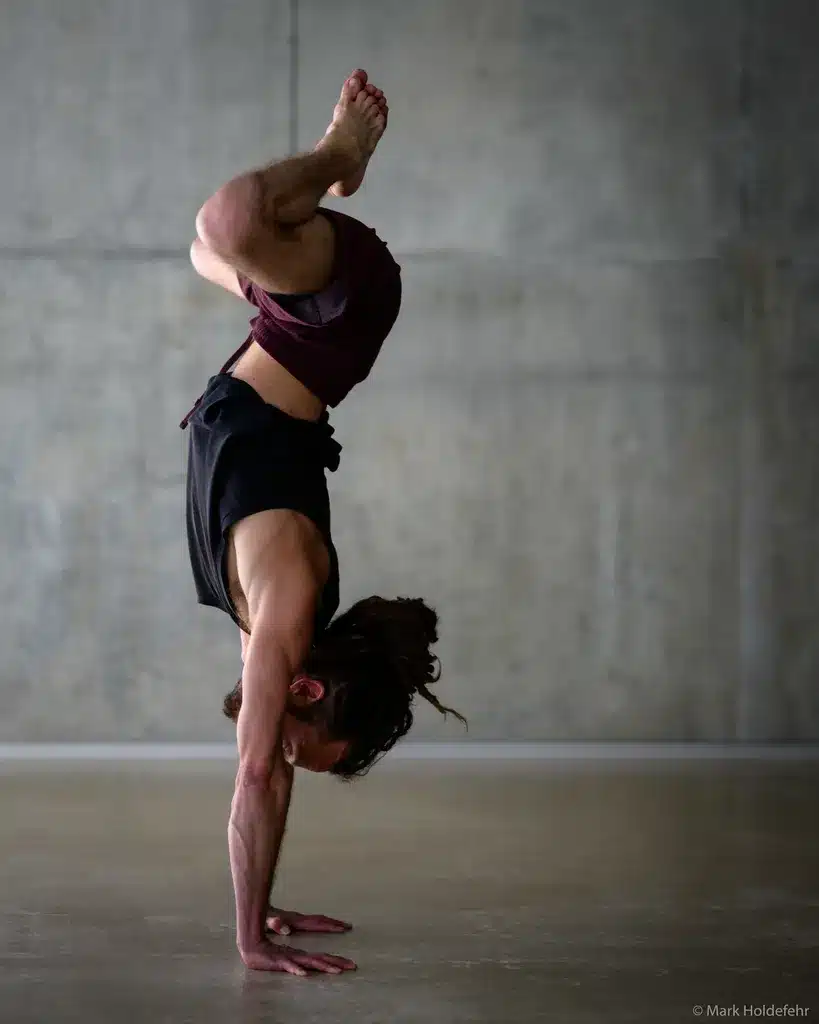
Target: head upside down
(353, 700)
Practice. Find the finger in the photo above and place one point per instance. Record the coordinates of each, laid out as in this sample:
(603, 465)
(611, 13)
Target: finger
(337, 923)
(323, 919)
(307, 923)
(318, 963)
(290, 966)
(301, 955)
(322, 924)
(341, 961)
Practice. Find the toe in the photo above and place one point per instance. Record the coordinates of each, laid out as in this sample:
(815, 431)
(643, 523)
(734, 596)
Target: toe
(356, 84)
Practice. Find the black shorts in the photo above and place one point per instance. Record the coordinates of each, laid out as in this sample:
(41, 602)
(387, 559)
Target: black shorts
(247, 456)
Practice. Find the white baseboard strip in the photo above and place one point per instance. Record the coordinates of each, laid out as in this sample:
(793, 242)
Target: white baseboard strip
(478, 751)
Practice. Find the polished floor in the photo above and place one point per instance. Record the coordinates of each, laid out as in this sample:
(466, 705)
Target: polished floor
(480, 892)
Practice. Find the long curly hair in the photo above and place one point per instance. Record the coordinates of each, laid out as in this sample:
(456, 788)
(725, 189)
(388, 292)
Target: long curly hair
(373, 660)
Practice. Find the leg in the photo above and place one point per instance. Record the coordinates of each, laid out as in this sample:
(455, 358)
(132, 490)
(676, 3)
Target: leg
(264, 223)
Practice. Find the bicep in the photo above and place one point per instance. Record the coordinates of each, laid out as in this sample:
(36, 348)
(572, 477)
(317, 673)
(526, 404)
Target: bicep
(214, 269)
(265, 683)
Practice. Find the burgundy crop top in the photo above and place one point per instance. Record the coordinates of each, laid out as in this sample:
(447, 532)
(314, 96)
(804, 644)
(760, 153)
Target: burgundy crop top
(353, 316)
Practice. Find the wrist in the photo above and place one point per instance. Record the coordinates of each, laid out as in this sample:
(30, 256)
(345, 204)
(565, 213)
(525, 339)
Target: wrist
(247, 943)
(250, 934)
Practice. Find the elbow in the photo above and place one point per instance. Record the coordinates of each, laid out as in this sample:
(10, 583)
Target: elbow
(228, 221)
(256, 773)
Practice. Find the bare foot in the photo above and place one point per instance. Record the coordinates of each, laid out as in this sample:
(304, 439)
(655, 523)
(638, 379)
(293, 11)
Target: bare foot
(359, 121)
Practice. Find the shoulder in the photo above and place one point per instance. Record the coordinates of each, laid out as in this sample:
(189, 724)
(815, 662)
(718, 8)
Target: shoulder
(281, 559)
(275, 532)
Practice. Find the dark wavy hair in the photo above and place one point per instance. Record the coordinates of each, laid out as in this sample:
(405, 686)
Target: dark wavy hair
(373, 660)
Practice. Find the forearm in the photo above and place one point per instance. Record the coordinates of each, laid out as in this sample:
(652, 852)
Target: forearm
(280, 824)
(257, 822)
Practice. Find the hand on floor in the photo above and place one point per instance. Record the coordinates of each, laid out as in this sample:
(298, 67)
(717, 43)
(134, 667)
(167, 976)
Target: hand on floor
(270, 956)
(285, 922)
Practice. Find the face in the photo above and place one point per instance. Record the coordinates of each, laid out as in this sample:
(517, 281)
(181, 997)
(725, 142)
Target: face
(305, 744)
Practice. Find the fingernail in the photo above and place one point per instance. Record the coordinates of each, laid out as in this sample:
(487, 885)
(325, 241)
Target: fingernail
(284, 930)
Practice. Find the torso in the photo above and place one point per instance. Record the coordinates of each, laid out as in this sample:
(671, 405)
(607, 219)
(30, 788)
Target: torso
(280, 388)
(276, 385)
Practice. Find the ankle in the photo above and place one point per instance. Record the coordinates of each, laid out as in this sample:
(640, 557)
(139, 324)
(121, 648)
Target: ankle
(341, 154)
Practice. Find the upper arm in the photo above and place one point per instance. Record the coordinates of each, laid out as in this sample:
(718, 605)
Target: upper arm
(213, 268)
(266, 677)
(281, 586)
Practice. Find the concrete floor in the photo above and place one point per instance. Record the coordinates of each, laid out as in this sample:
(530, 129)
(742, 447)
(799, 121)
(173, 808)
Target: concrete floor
(491, 893)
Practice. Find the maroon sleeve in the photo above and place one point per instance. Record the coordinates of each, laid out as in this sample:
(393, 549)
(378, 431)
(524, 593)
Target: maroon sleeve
(247, 287)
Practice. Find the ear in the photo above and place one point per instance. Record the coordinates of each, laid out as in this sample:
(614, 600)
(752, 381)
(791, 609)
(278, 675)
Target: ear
(306, 690)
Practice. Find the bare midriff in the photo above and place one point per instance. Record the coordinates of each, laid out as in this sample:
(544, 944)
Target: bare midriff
(276, 385)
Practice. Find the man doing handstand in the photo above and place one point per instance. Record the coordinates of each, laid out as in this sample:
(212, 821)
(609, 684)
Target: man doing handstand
(327, 696)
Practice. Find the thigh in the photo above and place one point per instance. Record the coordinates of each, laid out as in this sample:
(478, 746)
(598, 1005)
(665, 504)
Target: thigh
(296, 260)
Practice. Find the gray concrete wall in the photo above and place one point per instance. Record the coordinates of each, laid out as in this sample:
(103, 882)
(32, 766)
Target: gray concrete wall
(591, 439)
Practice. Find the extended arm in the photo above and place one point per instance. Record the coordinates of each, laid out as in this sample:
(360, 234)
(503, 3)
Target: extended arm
(285, 922)
(280, 577)
(279, 581)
